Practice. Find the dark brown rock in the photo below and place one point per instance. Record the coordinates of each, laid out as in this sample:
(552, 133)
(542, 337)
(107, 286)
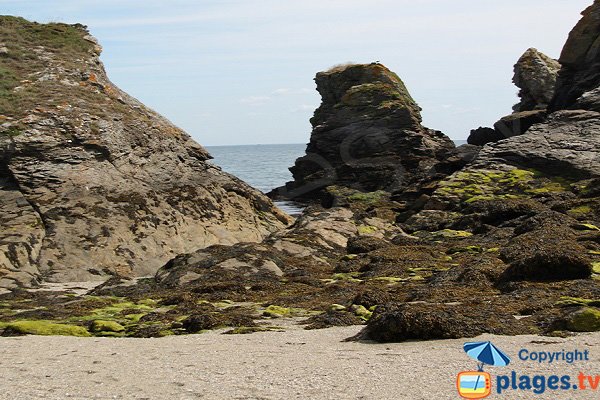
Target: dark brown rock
(422, 321)
(484, 135)
(549, 253)
(367, 135)
(579, 79)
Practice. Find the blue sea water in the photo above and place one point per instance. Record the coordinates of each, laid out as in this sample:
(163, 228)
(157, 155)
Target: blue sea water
(263, 166)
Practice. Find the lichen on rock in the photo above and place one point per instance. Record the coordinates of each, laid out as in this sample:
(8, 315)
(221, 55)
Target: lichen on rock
(92, 182)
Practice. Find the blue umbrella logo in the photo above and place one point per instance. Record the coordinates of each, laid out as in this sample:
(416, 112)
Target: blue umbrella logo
(486, 353)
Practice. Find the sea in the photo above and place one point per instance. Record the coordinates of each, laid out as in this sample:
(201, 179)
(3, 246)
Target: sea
(263, 166)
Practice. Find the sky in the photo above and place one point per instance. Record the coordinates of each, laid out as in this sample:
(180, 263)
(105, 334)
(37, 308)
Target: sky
(241, 71)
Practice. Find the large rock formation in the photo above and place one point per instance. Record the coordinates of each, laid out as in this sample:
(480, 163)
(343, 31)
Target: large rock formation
(535, 75)
(94, 183)
(535, 196)
(578, 83)
(367, 135)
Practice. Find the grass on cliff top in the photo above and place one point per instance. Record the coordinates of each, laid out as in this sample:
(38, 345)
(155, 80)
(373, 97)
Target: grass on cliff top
(19, 34)
(21, 38)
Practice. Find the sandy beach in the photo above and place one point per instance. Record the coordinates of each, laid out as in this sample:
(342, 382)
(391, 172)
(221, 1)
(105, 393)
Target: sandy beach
(295, 364)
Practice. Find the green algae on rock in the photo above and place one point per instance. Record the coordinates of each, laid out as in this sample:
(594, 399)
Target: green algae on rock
(585, 320)
(44, 328)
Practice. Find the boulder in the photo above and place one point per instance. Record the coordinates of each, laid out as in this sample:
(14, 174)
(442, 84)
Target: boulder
(517, 123)
(535, 75)
(92, 182)
(367, 135)
(548, 253)
(398, 322)
(484, 135)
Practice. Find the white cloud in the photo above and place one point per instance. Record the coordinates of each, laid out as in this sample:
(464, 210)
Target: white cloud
(281, 91)
(255, 100)
(303, 108)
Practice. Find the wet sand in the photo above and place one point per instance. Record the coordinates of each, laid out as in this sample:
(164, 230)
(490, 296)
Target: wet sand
(295, 364)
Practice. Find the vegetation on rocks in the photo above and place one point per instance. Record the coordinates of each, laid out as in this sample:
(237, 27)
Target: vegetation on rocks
(409, 236)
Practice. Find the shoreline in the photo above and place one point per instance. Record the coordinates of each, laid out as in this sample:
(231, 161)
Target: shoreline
(295, 364)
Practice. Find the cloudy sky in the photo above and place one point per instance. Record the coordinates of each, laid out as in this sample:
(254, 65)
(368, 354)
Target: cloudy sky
(241, 71)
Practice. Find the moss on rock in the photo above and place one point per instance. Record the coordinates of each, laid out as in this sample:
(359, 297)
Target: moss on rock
(44, 328)
(585, 320)
(106, 326)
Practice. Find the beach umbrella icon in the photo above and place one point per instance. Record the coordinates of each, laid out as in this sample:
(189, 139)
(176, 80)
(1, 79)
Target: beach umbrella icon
(486, 353)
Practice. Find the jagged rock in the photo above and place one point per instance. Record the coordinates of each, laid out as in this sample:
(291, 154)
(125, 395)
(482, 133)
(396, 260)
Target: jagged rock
(579, 79)
(535, 75)
(518, 123)
(568, 144)
(484, 135)
(367, 135)
(93, 183)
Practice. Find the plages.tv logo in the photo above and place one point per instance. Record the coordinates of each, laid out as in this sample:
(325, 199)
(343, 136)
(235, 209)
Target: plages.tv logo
(478, 384)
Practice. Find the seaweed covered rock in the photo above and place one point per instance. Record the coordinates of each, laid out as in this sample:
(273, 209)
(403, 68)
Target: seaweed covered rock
(92, 182)
(367, 135)
(422, 321)
(549, 253)
(585, 320)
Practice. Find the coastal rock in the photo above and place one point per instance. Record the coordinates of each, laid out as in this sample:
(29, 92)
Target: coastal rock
(567, 144)
(483, 135)
(535, 75)
(579, 79)
(367, 135)
(517, 123)
(92, 182)
(546, 254)
(422, 321)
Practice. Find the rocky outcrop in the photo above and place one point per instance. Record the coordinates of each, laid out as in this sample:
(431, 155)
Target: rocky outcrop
(578, 85)
(509, 230)
(367, 135)
(568, 144)
(535, 76)
(93, 183)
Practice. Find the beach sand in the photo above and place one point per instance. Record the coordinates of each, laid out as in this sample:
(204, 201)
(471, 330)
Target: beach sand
(295, 364)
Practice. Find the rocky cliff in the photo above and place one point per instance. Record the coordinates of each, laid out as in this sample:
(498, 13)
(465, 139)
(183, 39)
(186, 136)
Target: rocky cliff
(578, 83)
(367, 135)
(92, 182)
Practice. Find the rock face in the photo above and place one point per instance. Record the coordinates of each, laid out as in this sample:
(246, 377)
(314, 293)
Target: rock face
(535, 75)
(93, 183)
(367, 135)
(579, 80)
(568, 144)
